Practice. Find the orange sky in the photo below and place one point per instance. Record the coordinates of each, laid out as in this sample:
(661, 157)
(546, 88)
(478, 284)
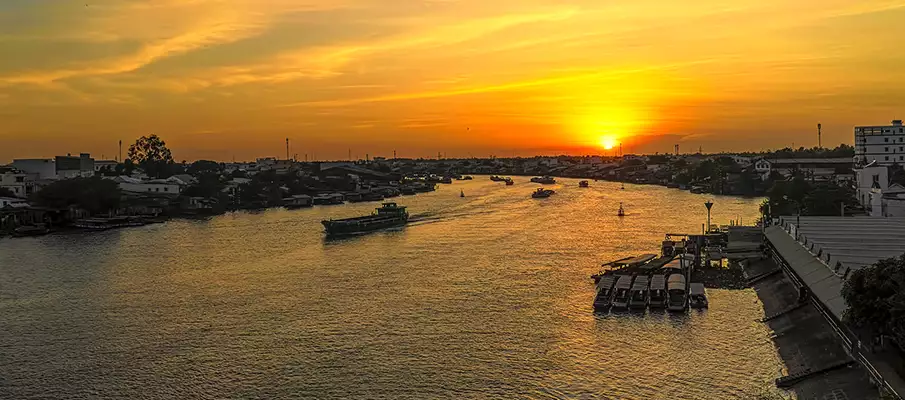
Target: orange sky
(233, 78)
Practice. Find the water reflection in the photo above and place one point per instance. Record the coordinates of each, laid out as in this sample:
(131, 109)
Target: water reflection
(482, 296)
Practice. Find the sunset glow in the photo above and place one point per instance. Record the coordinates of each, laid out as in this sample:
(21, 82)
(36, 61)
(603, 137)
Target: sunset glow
(222, 79)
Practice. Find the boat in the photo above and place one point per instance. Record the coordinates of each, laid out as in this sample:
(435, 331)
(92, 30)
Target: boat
(604, 298)
(31, 230)
(627, 262)
(387, 216)
(623, 187)
(297, 201)
(639, 298)
(446, 180)
(407, 190)
(509, 182)
(621, 212)
(497, 178)
(462, 194)
(352, 197)
(697, 189)
(467, 178)
(697, 298)
(372, 196)
(677, 297)
(102, 224)
(541, 193)
(622, 292)
(583, 184)
(545, 180)
(328, 199)
(657, 294)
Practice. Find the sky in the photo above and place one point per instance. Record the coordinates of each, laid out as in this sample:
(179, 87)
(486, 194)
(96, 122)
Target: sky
(232, 79)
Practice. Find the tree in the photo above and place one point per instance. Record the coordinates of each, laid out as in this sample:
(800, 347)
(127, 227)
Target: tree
(95, 195)
(152, 155)
(876, 298)
(204, 167)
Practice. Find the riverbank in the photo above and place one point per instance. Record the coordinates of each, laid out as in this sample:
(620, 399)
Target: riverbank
(817, 365)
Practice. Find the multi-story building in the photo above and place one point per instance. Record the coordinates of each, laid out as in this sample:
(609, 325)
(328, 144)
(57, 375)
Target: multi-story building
(19, 183)
(883, 144)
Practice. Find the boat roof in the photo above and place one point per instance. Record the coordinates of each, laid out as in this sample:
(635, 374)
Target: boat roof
(696, 288)
(606, 281)
(624, 282)
(657, 281)
(674, 264)
(677, 278)
(619, 261)
(639, 259)
(640, 283)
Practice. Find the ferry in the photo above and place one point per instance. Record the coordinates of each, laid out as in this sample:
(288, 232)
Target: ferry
(583, 184)
(657, 292)
(604, 298)
(678, 298)
(541, 193)
(696, 296)
(546, 180)
(387, 216)
(623, 292)
(639, 297)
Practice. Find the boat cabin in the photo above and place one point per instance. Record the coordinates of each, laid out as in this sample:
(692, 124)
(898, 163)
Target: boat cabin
(622, 291)
(639, 293)
(390, 208)
(657, 293)
(696, 296)
(677, 297)
(604, 297)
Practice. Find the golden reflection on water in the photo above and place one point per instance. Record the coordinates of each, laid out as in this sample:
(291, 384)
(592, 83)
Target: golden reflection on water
(481, 297)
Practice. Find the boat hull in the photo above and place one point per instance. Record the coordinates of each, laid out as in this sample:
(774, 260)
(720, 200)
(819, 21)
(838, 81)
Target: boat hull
(357, 227)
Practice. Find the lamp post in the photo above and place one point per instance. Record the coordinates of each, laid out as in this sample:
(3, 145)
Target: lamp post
(709, 205)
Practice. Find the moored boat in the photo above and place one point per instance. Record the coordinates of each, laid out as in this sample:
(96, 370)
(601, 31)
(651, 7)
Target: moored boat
(657, 294)
(509, 182)
(622, 292)
(328, 199)
(496, 178)
(583, 184)
(639, 297)
(387, 216)
(697, 298)
(31, 230)
(604, 298)
(677, 297)
(297, 201)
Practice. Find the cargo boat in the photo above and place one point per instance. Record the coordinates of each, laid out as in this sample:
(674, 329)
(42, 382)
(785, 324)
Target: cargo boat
(387, 216)
(622, 292)
(604, 298)
(639, 298)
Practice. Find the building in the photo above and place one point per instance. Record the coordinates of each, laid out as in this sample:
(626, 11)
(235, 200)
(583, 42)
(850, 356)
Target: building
(817, 168)
(100, 165)
(19, 183)
(59, 167)
(169, 187)
(871, 183)
(12, 202)
(883, 144)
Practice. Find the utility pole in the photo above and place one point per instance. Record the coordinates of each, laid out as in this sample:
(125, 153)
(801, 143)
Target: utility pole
(620, 149)
(350, 154)
(120, 151)
(287, 148)
(819, 141)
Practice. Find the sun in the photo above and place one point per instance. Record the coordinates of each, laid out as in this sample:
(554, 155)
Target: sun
(607, 142)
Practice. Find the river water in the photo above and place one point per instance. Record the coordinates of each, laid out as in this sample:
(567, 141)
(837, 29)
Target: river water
(485, 296)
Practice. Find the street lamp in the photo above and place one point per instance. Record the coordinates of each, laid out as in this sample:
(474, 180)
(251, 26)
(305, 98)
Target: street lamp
(709, 205)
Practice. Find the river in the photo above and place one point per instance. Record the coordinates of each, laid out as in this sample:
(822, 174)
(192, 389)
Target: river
(486, 296)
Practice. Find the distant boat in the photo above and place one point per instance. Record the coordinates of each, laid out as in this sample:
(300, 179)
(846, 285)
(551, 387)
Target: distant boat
(497, 178)
(31, 230)
(541, 193)
(546, 180)
(621, 212)
(509, 182)
(697, 296)
(623, 187)
(677, 298)
(462, 194)
(583, 184)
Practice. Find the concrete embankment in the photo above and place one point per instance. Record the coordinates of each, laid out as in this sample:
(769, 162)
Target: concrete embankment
(817, 364)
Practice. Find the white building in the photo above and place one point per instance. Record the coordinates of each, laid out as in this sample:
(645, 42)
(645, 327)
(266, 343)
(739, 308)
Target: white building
(871, 183)
(883, 144)
(12, 202)
(21, 184)
(170, 186)
(60, 167)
